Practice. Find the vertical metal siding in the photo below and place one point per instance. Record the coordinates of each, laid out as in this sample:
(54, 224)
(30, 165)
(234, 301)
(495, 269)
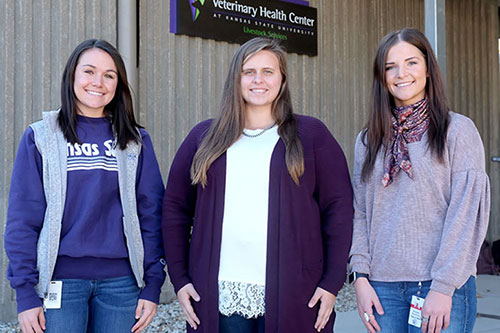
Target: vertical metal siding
(473, 81)
(7, 58)
(36, 40)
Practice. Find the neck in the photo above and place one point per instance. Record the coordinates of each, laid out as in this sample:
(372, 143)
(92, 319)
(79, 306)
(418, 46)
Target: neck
(258, 118)
(91, 113)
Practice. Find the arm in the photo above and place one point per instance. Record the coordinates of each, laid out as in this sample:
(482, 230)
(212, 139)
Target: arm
(334, 195)
(149, 193)
(465, 223)
(366, 297)
(25, 217)
(178, 211)
(149, 188)
(467, 216)
(360, 253)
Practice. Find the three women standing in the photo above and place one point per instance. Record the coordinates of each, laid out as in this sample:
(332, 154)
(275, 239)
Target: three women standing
(421, 197)
(268, 198)
(258, 208)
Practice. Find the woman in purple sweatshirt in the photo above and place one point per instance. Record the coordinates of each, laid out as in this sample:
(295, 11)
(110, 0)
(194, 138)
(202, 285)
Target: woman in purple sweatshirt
(83, 225)
(257, 214)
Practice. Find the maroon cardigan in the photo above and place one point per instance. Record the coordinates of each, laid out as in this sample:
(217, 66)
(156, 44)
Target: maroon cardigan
(309, 229)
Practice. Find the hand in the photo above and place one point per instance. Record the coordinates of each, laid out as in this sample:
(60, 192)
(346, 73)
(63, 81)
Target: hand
(437, 307)
(145, 312)
(184, 296)
(327, 300)
(32, 320)
(367, 298)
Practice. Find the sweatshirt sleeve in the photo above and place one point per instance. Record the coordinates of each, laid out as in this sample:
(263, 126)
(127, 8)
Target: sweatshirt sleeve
(360, 255)
(25, 214)
(150, 190)
(178, 211)
(467, 216)
(334, 193)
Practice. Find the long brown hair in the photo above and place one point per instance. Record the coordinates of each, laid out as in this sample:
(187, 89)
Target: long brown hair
(378, 128)
(228, 126)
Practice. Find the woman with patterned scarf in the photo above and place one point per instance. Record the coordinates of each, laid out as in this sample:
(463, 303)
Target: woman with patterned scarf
(421, 198)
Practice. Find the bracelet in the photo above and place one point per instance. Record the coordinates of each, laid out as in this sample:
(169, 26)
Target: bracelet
(355, 275)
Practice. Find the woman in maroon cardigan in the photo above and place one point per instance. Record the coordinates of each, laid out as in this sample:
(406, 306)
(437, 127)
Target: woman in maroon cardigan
(257, 214)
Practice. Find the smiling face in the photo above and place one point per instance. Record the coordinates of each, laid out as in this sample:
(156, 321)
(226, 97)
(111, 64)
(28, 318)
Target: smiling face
(96, 78)
(405, 73)
(260, 81)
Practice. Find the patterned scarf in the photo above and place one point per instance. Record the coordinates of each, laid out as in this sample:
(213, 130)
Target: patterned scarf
(409, 124)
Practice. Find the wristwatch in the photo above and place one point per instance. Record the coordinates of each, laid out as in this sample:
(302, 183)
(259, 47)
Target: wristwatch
(355, 275)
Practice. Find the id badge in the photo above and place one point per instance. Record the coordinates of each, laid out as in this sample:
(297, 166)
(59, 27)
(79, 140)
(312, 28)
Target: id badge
(415, 318)
(54, 295)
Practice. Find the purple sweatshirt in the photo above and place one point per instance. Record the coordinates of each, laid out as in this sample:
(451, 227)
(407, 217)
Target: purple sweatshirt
(92, 244)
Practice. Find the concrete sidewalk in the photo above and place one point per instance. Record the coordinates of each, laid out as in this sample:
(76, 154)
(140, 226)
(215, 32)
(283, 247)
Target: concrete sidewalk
(488, 308)
(488, 304)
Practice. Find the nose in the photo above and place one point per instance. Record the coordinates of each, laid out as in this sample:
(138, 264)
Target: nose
(257, 77)
(401, 71)
(97, 81)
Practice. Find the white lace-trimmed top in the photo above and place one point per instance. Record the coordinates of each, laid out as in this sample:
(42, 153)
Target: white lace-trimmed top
(242, 271)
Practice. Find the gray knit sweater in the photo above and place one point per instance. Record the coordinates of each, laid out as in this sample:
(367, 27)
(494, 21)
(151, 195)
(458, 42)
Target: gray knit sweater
(429, 228)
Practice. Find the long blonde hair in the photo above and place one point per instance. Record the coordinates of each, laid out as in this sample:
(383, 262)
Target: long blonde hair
(228, 126)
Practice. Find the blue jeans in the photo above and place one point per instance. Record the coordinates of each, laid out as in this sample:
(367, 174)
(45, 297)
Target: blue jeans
(395, 298)
(239, 324)
(95, 306)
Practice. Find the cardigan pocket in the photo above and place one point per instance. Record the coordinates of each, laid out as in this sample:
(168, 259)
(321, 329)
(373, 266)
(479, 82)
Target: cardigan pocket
(313, 265)
(309, 279)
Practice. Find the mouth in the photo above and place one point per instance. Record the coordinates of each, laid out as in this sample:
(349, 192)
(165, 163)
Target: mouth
(258, 90)
(404, 84)
(94, 93)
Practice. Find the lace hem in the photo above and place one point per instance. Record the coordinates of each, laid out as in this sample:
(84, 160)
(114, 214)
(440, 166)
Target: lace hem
(245, 299)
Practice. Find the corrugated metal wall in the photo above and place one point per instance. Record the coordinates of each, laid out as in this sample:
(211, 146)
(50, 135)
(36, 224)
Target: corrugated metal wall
(36, 39)
(181, 78)
(474, 80)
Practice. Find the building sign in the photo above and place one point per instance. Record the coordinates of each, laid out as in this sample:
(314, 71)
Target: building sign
(237, 21)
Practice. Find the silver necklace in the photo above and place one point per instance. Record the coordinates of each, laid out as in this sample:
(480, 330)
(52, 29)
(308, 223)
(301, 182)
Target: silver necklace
(258, 134)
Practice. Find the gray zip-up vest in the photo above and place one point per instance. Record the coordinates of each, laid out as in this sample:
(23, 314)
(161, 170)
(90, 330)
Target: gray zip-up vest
(52, 145)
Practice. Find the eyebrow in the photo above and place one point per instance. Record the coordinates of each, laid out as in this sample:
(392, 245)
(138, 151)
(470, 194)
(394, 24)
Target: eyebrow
(108, 70)
(414, 57)
(243, 69)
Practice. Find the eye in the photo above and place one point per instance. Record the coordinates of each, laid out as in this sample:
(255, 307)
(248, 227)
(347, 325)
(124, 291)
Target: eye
(268, 71)
(412, 62)
(248, 72)
(88, 71)
(109, 76)
(389, 68)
